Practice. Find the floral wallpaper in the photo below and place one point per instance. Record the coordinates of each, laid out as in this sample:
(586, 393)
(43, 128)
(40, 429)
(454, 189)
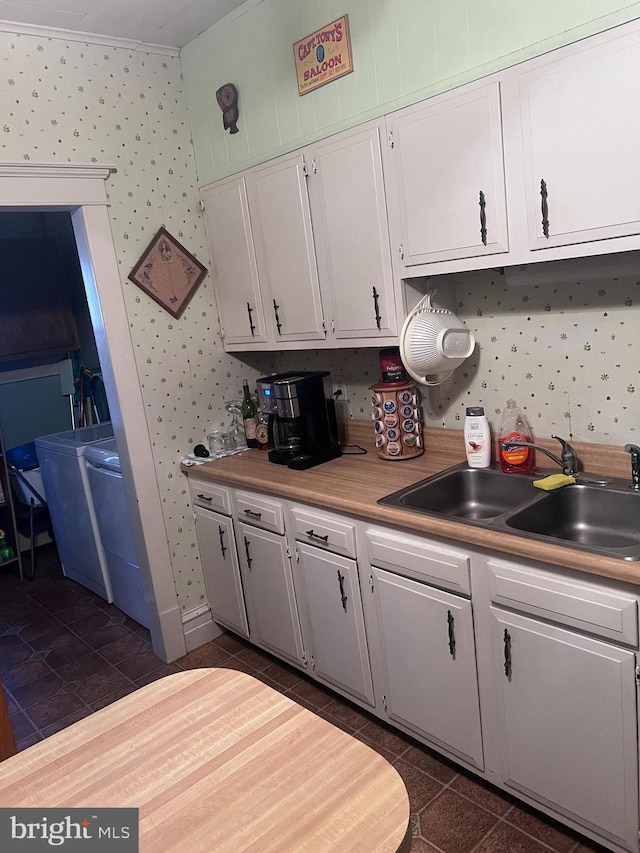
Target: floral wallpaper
(567, 352)
(76, 102)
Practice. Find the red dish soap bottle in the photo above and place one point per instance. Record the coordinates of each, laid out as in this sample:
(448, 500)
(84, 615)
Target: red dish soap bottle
(513, 427)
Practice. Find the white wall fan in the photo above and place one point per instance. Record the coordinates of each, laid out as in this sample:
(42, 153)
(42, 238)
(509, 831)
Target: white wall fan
(434, 342)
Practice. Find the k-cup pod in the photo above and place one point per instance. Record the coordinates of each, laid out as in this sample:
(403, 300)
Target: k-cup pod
(407, 412)
(406, 397)
(389, 406)
(380, 440)
(391, 420)
(393, 434)
(393, 448)
(377, 413)
(408, 425)
(378, 426)
(409, 440)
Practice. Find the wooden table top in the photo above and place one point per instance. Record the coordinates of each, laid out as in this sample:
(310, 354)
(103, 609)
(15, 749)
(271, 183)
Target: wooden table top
(215, 760)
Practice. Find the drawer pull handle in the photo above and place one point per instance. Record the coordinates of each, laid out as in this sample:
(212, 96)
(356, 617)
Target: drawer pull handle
(252, 514)
(343, 597)
(483, 218)
(223, 549)
(205, 498)
(313, 535)
(452, 635)
(246, 551)
(544, 208)
(507, 653)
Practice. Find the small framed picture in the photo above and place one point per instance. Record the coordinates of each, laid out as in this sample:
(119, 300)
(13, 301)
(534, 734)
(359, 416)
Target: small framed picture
(168, 273)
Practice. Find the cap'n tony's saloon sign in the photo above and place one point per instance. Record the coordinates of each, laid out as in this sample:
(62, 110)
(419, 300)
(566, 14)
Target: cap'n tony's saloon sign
(323, 56)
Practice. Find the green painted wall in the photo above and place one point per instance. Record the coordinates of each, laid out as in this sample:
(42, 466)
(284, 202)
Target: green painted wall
(403, 51)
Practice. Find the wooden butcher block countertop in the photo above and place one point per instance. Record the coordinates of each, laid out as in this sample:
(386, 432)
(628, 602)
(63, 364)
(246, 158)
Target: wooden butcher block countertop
(215, 760)
(353, 484)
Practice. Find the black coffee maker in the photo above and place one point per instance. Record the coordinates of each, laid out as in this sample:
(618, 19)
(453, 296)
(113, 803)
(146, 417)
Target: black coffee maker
(302, 418)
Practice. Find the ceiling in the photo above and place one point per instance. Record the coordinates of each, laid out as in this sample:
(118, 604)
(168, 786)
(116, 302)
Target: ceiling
(172, 23)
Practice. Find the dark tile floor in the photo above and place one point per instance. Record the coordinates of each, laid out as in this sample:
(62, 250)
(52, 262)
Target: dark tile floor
(65, 653)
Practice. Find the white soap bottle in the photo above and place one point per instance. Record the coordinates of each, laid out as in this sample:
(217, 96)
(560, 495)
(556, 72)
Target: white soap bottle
(477, 438)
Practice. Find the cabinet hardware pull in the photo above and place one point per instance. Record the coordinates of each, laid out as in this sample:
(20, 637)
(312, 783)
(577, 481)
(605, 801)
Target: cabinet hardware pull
(252, 514)
(343, 597)
(223, 549)
(375, 305)
(246, 551)
(507, 653)
(275, 311)
(312, 535)
(251, 326)
(544, 208)
(452, 636)
(205, 498)
(483, 218)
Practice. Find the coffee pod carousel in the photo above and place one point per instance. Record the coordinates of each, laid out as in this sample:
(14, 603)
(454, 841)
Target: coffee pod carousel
(397, 420)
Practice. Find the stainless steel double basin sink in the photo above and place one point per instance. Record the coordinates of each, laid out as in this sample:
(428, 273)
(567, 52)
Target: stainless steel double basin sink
(599, 515)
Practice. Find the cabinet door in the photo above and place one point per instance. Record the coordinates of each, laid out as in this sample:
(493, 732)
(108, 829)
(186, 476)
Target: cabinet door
(429, 662)
(35, 318)
(268, 580)
(285, 248)
(353, 250)
(221, 570)
(338, 638)
(448, 168)
(581, 137)
(233, 262)
(568, 708)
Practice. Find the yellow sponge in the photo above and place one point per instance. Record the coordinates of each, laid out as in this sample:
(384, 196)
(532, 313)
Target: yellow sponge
(554, 481)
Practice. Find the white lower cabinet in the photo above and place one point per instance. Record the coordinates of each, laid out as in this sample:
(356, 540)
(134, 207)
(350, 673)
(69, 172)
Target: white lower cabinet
(563, 663)
(218, 555)
(429, 663)
(273, 611)
(567, 715)
(221, 570)
(338, 648)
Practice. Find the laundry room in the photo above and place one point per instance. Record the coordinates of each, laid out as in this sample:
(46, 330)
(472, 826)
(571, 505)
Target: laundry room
(53, 406)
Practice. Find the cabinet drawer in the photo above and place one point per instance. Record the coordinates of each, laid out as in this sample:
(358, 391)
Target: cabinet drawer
(210, 496)
(579, 605)
(259, 511)
(324, 530)
(413, 557)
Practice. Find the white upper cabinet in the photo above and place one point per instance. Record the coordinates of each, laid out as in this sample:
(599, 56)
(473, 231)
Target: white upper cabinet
(285, 249)
(580, 140)
(233, 262)
(448, 174)
(350, 220)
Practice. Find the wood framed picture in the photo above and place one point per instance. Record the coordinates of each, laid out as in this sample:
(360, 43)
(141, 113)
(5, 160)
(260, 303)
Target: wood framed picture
(168, 273)
(323, 56)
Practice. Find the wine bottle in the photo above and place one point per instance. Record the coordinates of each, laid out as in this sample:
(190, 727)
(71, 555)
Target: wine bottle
(249, 412)
(263, 431)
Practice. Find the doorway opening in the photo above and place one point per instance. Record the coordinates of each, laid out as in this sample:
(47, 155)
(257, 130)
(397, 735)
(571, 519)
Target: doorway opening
(79, 192)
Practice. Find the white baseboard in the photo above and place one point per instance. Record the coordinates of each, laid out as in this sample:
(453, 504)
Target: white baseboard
(199, 627)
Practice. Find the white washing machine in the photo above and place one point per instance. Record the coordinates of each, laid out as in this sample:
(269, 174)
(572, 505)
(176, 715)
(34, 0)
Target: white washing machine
(66, 483)
(112, 513)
